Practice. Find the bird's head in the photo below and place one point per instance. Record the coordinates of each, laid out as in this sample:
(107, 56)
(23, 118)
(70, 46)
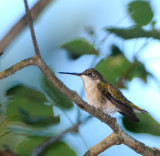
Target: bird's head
(89, 76)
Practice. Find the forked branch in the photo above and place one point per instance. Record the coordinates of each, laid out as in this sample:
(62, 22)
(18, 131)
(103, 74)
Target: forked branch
(106, 143)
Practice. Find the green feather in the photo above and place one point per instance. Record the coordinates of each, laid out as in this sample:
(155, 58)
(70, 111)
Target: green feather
(105, 88)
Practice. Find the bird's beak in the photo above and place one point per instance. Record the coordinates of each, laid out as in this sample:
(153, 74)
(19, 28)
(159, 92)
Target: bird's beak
(77, 74)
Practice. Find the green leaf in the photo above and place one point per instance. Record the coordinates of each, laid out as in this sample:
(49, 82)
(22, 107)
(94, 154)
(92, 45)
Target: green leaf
(44, 120)
(10, 141)
(115, 50)
(147, 125)
(140, 11)
(113, 67)
(79, 47)
(3, 124)
(134, 32)
(28, 144)
(57, 149)
(25, 131)
(26, 92)
(117, 65)
(59, 99)
(28, 105)
(140, 71)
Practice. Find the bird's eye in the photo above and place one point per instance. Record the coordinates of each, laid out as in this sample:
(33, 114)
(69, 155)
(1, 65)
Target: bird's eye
(89, 74)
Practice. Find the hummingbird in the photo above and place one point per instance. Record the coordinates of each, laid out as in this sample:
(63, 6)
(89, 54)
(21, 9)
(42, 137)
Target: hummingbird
(102, 95)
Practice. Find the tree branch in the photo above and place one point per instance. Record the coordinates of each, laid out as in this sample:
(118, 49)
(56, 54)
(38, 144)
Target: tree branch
(106, 143)
(17, 66)
(122, 138)
(30, 22)
(35, 11)
(139, 147)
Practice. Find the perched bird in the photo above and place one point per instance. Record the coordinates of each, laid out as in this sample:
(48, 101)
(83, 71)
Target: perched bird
(100, 94)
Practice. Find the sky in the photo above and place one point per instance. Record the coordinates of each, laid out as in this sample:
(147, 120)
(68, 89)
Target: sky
(62, 21)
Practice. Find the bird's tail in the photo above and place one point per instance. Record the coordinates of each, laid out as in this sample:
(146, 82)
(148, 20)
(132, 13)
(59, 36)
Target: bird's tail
(131, 116)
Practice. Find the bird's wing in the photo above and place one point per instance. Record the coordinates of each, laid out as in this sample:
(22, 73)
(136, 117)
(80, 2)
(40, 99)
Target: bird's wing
(117, 98)
(117, 94)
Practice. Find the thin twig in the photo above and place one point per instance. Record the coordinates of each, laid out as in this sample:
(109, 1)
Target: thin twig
(38, 150)
(18, 27)
(144, 45)
(30, 22)
(132, 66)
(17, 66)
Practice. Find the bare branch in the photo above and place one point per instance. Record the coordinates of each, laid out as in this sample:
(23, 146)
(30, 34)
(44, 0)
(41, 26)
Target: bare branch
(17, 66)
(122, 138)
(139, 147)
(30, 22)
(106, 143)
(35, 11)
